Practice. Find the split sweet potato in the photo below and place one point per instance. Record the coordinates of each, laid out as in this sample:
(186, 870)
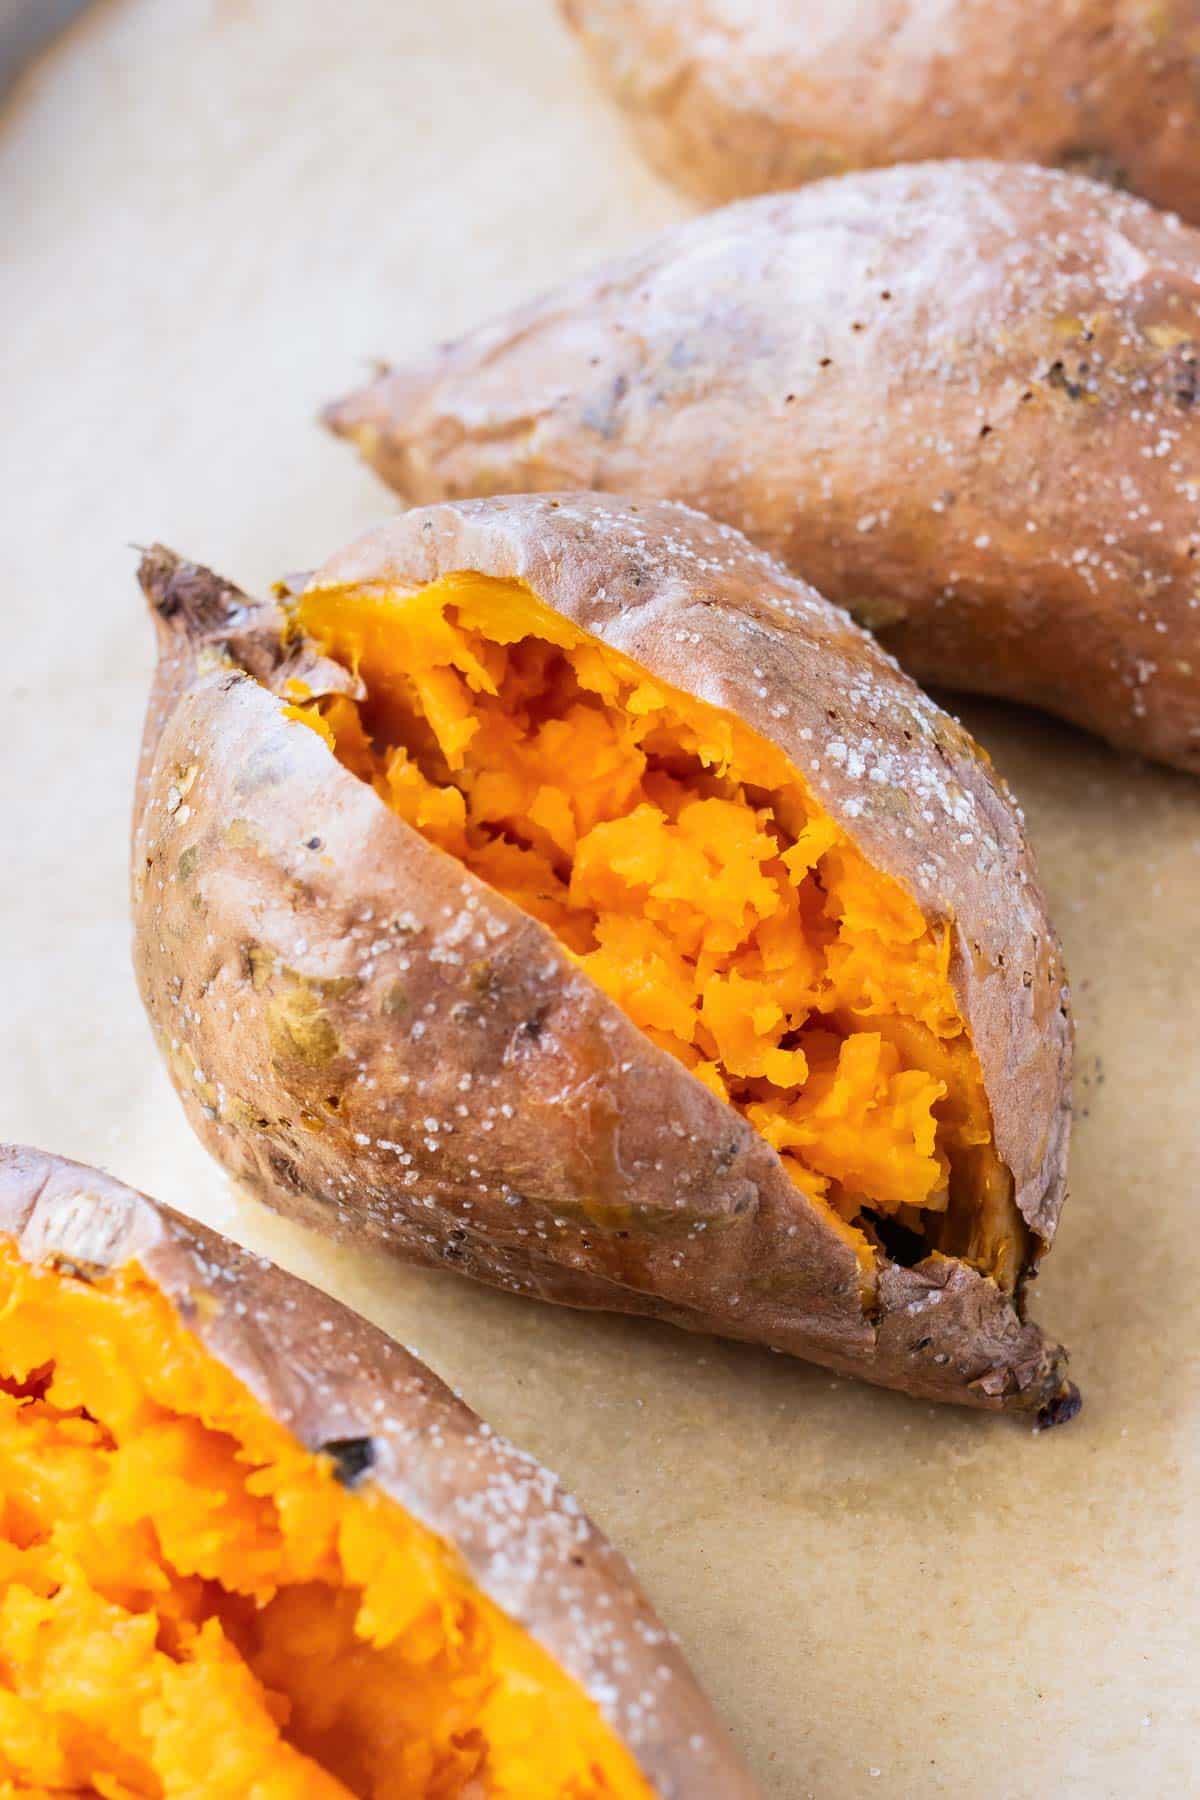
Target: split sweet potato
(253, 1550)
(557, 891)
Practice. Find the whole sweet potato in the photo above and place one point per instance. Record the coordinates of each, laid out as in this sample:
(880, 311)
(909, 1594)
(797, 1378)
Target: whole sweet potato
(252, 1547)
(728, 98)
(962, 400)
(556, 891)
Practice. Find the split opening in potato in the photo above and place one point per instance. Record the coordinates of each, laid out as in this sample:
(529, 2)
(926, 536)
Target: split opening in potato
(684, 863)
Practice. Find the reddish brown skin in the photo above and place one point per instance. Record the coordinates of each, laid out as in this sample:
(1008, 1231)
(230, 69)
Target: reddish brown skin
(963, 400)
(330, 1377)
(374, 1041)
(728, 98)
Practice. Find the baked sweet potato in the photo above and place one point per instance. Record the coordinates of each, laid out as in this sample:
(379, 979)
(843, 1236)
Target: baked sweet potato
(557, 891)
(253, 1550)
(729, 99)
(963, 401)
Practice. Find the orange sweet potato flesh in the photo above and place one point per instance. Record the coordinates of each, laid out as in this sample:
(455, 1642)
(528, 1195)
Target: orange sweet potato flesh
(686, 864)
(191, 1602)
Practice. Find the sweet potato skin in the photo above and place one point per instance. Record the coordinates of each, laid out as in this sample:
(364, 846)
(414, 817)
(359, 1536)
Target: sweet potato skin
(962, 400)
(726, 104)
(329, 1376)
(374, 1041)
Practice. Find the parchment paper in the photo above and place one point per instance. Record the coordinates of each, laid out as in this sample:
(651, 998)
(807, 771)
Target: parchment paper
(213, 212)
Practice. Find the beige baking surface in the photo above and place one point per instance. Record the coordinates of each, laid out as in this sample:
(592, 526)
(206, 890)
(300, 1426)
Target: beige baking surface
(212, 213)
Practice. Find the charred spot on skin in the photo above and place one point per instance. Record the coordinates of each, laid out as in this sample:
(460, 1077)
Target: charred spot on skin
(1061, 1409)
(1056, 377)
(284, 1170)
(352, 1458)
(726, 1156)
(187, 593)
(530, 1030)
(455, 1245)
(1082, 386)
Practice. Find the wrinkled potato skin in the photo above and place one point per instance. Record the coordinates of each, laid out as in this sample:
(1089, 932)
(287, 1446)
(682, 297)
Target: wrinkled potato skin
(374, 1041)
(728, 103)
(962, 400)
(327, 1375)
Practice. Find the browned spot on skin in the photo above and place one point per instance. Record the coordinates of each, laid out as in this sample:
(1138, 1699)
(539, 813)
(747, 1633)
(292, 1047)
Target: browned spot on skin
(260, 966)
(484, 980)
(263, 966)
(395, 1001)
(300, 1029)
(74, 1266)
(878, 611)
(241, 835)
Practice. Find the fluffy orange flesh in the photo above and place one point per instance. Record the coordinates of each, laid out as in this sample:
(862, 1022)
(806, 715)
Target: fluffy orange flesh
(685, 863)
(192, 1605)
